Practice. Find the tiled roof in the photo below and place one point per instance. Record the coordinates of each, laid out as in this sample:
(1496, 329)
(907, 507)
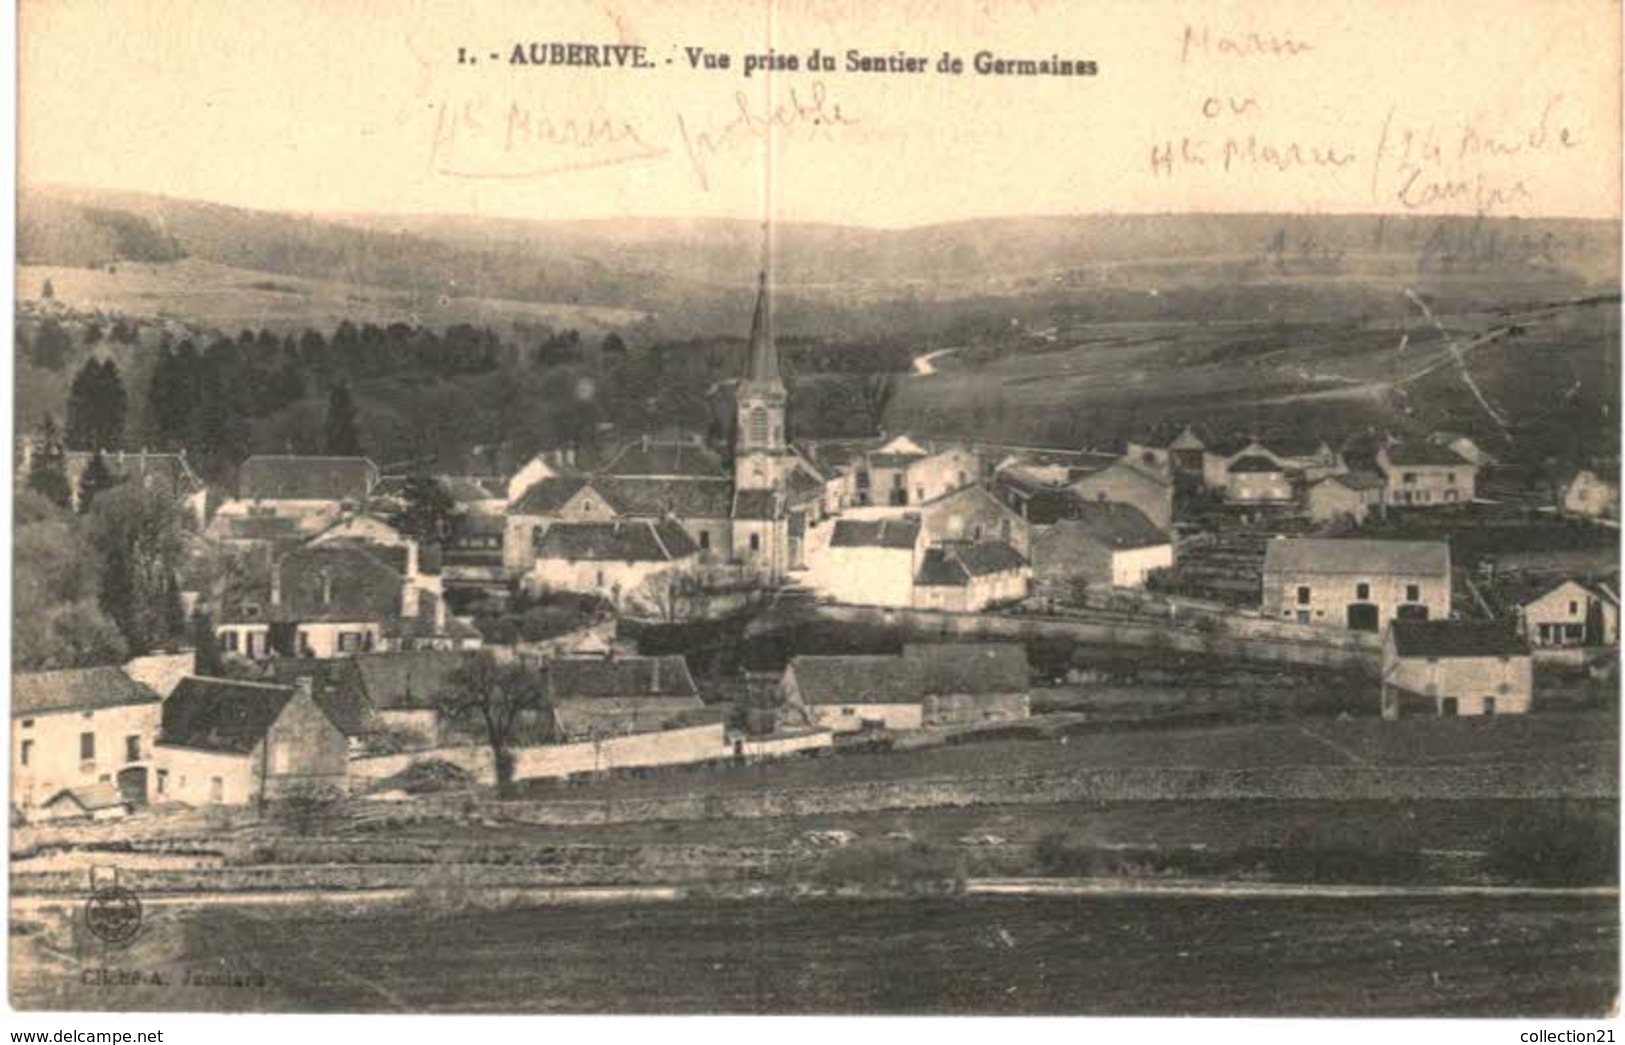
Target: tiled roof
(75, 689)
(1294, 445)
(546, 496)
(954, 565)
(292, 478)
(1449, 638)
(334, 691)
(221, 715)
(1358, 480)
(901, 532)
(685, 498)
(894, 460)
(1114, 524)
(972, 667)
(756, 504)
(1421, 453)
(256, 528)
(339, 581)
(90, 797)
(1353, 555)
(1254, 463)
(859, 679)
(664, 460)
(597, 677)
(405, 680)
(630, 540)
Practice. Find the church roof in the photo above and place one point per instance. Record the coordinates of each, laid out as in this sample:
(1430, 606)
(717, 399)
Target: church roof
(764, 353)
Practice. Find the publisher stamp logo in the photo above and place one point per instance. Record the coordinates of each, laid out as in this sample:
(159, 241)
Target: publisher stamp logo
(113, 914)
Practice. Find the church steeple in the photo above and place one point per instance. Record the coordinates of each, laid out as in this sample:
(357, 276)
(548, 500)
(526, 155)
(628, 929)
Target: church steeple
(764, 352)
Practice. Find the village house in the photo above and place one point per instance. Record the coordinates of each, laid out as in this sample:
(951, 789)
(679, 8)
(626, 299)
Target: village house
(969, 576)
(1465, 446)
(1124, 482)
(928, 685)
(1570, 615)
(1036, 500)
(1168, 450)
(226, 742)
(547, 464)
(871, 562)
(967, 682)
(77, 728)
(94, 802)
(1423, 474)
(402, 690)
(339, 597)
(1257, 479)
(1590, 495)
(1351, 496)
(1045, 465)
(904, 473)
(596, 697)
(1102, 544)
(1304, 455)
(629, 562)
(1354, 582)
(1449, 668)
(283, 494)
(973, 514)
(168, 474)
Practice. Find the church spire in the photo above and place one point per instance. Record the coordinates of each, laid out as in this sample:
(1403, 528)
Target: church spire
(764, 353)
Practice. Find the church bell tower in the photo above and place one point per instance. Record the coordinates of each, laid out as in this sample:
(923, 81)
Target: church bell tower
(761, 452)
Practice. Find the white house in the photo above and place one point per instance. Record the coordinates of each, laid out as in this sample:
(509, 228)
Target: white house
(1427, 475)
(871, 562)
(1568, 615)
(1257, 479)
(79, 727)
(1591, 496)
(970, 576)
(851, 693)
(301, 495)
(627, 561)
(1104, 543)
(1449, 668)
(1352, 495)
(1354, 582)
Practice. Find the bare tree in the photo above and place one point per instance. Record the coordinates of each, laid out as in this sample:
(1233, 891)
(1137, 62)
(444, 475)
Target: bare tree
(489, 697)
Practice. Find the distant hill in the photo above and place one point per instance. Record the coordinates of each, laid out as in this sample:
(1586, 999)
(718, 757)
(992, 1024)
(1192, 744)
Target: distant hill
(697, 275)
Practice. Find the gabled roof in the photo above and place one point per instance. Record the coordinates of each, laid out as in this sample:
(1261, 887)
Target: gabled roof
(1424, 453)
(1356, 481)
(902, 532)
(221, 715)
(1452, 638)
(1115, 525)
(334, 691)
(404, 680)
(1599, 592)
(273, 477)
(1294, 444)
(1356, 555)
(546, 496)
(954, 565)
(75, 689)
(664, 460)
(339, 581)
(1254, 464)
(627, 540)
(859, 679)
(972, 667)
(879, 460)
(598, 677)
(700, 498)
(91, 797)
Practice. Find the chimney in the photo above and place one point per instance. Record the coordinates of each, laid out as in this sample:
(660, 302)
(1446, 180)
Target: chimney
(654, 676)
(276, 584)
(327, 588)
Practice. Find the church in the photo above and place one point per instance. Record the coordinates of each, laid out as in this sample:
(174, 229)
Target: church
(662, 509)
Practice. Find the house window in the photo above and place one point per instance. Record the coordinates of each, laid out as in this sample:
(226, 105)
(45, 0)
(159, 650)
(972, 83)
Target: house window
(162, 781)
(281, 759)
(1450, 477)
(705, 540)
(1489, 705)
(1574, 607)
(962, 479)
(758, 425)
(1410, 479)
(28, 723)
(350, 641)
(919, 494)
(1362, 591)
(600, 578)
(1413, 593)
(28, 750)
(1303, 595)
(217, 789)
(849, 712)
(228, 641)
(87, 747)
(755, 542)
(1573, 632)
(132, 748)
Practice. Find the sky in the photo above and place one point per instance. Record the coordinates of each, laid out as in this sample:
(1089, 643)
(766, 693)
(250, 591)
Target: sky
(320, 106)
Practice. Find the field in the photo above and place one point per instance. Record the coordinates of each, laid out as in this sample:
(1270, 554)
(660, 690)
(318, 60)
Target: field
(1104, 956)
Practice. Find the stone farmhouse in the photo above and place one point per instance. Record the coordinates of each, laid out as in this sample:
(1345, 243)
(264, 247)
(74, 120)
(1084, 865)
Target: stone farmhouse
(872, 562)
(969, 576)
(1352, 496)
(1101, 543)
(1423, 474)
(282, 497)
(928, 685)
(1570, 615)
(81, 730)
(1448, 668)
(1355, 583)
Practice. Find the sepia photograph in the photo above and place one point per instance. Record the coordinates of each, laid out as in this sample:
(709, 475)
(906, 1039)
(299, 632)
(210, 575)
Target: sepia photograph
(816, 508)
